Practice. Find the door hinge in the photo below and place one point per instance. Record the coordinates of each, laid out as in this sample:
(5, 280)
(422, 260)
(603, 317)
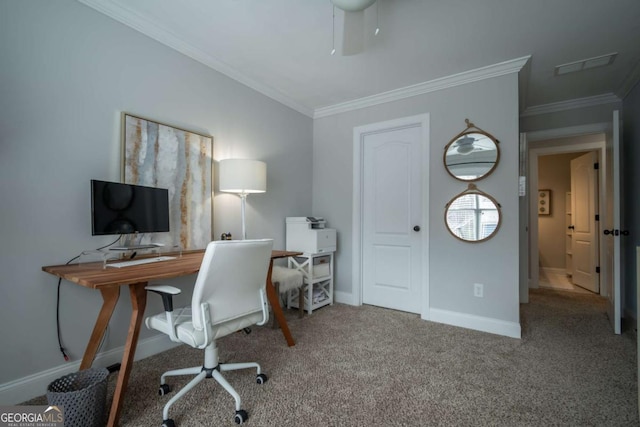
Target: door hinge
(597, 217)
(596, 165)
(598, 270)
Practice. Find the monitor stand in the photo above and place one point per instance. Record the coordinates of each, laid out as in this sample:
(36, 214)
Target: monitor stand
(132, 242)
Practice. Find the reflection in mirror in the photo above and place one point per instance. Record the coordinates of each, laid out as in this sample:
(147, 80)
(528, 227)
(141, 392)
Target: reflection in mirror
(471, 155)
(473, 216)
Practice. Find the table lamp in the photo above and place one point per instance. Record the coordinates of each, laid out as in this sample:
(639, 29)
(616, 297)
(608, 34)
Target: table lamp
(242, 176)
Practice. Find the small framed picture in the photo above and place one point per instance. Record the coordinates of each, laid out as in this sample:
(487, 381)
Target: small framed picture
(544, 202)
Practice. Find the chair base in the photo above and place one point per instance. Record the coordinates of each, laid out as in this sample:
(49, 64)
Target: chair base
(211, 369)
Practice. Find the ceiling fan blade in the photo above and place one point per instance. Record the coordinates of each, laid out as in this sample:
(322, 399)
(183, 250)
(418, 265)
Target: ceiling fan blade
(353, 33)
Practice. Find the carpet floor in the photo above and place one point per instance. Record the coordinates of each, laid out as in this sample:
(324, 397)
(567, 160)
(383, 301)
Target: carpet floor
(369, 366)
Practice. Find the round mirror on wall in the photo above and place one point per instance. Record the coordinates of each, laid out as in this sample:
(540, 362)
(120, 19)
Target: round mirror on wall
(472, 154)
(472, 216)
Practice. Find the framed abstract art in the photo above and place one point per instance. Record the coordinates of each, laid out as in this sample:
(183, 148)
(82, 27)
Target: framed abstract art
(164, 156)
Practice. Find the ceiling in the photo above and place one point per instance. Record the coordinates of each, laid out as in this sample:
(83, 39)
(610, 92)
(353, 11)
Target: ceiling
(282, 47)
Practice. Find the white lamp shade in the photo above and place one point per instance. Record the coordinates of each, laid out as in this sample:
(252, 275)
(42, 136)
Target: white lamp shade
(243, 176)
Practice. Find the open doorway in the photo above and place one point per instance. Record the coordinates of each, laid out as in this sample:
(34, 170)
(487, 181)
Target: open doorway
(549, 169)
(604, 138)
(568, 244)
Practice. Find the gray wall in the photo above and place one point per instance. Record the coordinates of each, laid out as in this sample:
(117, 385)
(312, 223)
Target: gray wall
(631, 201)
(493, 106)
(67, 72)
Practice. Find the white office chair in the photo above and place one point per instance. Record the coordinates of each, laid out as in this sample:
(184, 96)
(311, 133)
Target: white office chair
(229, 295)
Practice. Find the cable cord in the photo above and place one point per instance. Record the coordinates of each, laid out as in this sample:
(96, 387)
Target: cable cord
(62, 350)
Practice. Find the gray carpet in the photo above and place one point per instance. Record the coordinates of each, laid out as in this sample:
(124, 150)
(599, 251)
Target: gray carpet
(368, 366)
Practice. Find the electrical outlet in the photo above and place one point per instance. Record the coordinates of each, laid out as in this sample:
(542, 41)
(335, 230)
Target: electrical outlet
(478, 290)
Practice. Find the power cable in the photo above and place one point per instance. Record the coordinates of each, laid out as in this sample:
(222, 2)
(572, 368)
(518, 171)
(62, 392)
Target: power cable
(62, 350)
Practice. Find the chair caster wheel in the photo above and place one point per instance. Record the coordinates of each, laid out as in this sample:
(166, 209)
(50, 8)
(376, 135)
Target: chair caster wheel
(241, 416)
(164, 389)
(168, 423)
(261, 379)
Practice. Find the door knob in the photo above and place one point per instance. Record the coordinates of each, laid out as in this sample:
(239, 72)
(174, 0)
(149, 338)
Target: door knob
(416, 228)
(571, 227)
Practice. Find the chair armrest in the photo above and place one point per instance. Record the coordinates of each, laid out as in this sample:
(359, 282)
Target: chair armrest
(167, 292)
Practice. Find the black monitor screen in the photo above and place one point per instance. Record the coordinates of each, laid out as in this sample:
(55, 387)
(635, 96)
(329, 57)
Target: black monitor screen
(124, 208)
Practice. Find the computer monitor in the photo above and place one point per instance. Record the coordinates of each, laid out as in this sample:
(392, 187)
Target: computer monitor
(118, 208)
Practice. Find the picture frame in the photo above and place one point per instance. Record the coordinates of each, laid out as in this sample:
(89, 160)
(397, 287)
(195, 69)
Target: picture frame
(544, 202)
(159, 155)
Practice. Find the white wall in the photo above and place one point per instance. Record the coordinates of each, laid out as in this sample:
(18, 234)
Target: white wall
(67, 72)
(492, 105)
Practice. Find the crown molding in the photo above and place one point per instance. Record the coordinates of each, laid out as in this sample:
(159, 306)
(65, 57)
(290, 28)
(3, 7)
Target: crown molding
(500, 69)
(590, 101)
(151, 29)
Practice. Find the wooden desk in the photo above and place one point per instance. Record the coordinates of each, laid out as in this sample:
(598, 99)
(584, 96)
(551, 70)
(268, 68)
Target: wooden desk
(108, 282)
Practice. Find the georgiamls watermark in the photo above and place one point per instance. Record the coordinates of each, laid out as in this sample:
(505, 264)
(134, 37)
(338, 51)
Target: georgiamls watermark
(31, 416)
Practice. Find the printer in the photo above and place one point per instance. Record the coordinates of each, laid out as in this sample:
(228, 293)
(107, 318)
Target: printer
(309, 234)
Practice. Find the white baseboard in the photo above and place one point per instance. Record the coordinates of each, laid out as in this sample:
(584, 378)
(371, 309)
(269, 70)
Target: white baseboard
(469, 321)
(478, 323)
(23, 389)
(344, 298)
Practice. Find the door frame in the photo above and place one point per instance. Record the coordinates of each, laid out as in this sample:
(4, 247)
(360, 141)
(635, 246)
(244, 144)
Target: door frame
(359, 134)
(538, 146)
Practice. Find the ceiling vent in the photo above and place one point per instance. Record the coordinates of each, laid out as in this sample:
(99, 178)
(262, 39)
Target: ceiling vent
(585, 64)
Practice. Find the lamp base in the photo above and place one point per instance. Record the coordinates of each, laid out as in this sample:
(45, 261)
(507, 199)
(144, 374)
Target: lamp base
(243, 198)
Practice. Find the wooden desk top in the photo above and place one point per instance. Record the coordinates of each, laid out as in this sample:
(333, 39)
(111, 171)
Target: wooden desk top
(93, 275)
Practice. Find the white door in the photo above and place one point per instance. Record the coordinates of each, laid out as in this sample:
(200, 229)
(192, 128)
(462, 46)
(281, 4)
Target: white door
(612, 224)
(584, 204)
(391, 219)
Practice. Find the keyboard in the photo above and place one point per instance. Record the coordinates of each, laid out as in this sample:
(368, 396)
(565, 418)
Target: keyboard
(140, 261)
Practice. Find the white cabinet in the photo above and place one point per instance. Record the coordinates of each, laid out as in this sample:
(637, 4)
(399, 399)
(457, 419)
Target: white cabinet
(317, 243)
(317, 270)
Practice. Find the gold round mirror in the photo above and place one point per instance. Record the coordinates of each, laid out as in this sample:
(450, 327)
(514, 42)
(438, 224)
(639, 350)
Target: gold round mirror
(472, 216)
(472, 154)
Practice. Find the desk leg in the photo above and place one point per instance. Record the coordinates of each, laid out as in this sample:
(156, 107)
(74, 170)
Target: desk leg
(138, 304)
(109, 301)
(274, 300)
